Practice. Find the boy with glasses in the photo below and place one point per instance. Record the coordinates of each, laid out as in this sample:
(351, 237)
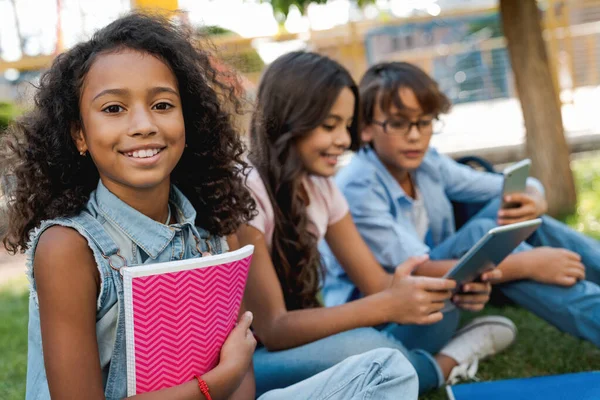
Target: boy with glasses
(400, 190)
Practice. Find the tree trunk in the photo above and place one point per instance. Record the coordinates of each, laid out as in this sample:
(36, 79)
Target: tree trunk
(545, 140)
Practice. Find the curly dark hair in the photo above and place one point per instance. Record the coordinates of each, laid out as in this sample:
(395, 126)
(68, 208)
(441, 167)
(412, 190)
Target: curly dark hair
(51, 180)
(294, 97)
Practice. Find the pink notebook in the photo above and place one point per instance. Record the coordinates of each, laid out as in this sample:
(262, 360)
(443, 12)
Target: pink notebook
(178, 315)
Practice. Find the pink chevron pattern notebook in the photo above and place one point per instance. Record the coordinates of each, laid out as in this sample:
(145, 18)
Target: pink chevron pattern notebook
(178, 315)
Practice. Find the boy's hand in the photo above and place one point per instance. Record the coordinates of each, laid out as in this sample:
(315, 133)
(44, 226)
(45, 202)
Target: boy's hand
(492, 276)
(532, 205)
(474, 296)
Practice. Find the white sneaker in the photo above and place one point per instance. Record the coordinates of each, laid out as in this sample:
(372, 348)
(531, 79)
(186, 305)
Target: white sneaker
(481, 338)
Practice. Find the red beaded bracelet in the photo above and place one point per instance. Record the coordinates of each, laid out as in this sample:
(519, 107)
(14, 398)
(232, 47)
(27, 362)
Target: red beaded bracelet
(203, 387)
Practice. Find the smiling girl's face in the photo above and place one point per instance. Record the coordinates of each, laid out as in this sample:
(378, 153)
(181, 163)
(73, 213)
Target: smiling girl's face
(321, 148)
(132, 120)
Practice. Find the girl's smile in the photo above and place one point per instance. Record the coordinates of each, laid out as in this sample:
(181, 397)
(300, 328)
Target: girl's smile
(144, 155)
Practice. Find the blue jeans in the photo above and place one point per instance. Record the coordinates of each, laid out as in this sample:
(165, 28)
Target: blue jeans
(382, 374)
(279, 369)
(575, 309)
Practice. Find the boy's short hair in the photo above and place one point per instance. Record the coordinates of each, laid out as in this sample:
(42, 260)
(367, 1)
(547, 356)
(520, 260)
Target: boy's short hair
(381, 83)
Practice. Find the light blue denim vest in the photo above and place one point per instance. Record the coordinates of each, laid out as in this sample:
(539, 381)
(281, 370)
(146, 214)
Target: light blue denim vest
(118, 235)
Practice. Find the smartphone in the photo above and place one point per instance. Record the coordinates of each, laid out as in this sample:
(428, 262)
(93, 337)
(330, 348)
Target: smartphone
(515, 181)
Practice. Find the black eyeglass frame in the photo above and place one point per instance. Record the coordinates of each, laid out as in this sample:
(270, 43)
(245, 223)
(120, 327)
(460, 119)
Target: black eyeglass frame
(384, 124)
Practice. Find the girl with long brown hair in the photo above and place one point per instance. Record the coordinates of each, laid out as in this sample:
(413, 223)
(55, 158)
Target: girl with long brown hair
(306, 117)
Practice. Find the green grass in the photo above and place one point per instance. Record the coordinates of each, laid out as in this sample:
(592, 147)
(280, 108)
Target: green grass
(587, 179)
(13, 339)
(540, 349)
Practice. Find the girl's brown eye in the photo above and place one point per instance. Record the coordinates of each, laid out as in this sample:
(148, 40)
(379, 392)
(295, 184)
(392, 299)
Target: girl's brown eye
(112, 109)
(163, 106)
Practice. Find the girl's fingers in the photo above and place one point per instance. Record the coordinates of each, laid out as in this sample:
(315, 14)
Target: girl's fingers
(477, 287)
(431, 318)
(436, 297)
(471, 299)
(435, 307)
(244, 323)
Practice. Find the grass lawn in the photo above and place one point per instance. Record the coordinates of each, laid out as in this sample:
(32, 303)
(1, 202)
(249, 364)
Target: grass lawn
(540, 349)
(13, 339)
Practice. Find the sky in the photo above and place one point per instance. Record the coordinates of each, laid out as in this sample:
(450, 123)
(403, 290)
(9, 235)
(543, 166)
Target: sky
(80, 18)
(248, 18)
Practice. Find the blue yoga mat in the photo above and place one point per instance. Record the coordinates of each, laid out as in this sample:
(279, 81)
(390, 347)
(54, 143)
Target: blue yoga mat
(581, 386)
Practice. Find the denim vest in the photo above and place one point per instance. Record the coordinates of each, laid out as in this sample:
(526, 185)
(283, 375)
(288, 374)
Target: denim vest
(118, 235)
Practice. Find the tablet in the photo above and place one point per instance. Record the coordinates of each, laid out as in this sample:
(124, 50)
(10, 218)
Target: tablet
(515, 181)
(490, 250)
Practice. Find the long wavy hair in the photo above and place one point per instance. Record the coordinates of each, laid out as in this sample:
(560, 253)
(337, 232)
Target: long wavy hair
(49, 179)
(294, 97)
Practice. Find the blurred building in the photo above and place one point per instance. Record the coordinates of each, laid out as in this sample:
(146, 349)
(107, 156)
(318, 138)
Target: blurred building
(454, 50)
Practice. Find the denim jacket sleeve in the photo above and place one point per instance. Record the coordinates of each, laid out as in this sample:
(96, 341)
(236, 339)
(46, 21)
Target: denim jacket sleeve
(377, 215)
(463, 183)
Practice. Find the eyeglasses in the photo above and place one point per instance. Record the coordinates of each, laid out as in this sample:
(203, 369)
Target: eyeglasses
(402, 127)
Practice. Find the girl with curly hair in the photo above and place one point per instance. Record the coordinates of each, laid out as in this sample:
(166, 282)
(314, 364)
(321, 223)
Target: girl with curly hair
(306, 118)
(129, 157)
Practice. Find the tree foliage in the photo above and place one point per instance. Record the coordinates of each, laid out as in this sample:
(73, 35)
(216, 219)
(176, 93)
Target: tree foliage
(283, 6)
(243, 61)
(8, 112)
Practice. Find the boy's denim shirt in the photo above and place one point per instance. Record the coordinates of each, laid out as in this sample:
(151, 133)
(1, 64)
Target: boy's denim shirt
(118, 235)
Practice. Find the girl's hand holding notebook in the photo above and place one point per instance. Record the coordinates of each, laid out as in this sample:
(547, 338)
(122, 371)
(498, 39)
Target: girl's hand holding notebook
(237, 351)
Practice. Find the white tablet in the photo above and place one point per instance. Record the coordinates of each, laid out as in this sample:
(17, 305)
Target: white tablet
(490, 250)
